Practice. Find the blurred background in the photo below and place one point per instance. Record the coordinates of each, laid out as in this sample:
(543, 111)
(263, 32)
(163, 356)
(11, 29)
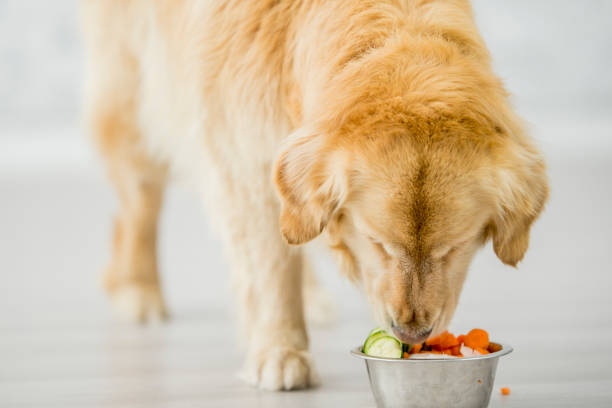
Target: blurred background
(56, 209)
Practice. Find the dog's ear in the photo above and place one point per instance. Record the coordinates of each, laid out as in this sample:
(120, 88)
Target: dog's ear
(521, 191)
(308, 189)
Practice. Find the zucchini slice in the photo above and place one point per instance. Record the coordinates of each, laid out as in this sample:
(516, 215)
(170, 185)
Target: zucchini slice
(384, 346)
(374, 334)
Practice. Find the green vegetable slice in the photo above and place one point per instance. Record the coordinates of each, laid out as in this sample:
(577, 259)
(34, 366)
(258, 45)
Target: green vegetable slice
(376, 330)
(374, 334)
(384, 346)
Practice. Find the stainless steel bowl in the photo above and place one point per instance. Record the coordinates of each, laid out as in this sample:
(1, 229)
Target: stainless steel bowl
(432, 383)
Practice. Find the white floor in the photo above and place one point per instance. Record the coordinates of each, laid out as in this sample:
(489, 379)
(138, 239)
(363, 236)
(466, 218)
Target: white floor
(60, 346)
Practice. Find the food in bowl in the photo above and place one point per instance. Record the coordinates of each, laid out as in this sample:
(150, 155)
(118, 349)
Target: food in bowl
(429, 375)
(380, 343)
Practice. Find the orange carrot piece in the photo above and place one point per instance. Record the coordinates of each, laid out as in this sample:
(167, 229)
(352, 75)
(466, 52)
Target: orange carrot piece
(505, 391)
(434, 341)
(448, 341)
(406, 355)
(477, 338)
(416, 348)
(456, 350)
(460, 338)
(447, 351)
(494, 347)
(481, 350)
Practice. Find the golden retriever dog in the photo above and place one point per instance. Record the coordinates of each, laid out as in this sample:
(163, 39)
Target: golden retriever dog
(377, 123)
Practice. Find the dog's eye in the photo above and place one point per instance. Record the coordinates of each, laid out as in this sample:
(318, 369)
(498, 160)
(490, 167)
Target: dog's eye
(449, 253)
(442, 252)
(453, 249)
(375, 241)
(380, 247)
(445, 252)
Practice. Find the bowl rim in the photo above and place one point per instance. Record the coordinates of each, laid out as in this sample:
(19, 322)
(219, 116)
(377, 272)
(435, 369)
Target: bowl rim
(506, 349)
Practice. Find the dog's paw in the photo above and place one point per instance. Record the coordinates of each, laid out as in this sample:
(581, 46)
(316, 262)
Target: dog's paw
(138, 303)
(281, 369)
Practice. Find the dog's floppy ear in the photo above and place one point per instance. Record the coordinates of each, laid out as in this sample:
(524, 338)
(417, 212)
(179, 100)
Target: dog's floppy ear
(521, 190)
(309, 191)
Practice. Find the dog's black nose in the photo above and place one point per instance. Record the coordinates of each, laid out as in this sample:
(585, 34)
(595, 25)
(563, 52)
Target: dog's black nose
(411, 335)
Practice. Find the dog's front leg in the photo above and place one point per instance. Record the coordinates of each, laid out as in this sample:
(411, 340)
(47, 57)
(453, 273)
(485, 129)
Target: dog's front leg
(277, 354)
(267, 279)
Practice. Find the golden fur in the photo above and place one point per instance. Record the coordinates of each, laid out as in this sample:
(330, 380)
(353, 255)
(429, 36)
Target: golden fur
(377, 123)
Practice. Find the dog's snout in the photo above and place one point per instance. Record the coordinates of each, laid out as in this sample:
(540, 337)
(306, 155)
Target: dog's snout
(412, 325)
(411, 335)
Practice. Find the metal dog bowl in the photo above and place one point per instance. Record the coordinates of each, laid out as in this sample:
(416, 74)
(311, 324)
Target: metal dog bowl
(432, 383)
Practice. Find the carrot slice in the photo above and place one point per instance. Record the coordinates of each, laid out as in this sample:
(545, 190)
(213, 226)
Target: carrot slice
(460, 338)
(456, 350)
(494, 347)
(448, 341)
(477, 338)
(505, 391)
(481, 350)
(435, 341)
(406, 355)
(416, 348)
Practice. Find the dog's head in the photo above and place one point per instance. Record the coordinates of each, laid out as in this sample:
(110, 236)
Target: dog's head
(406, 199)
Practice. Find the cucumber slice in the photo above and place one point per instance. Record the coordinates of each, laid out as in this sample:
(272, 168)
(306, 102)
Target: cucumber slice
(374, 331)
(384, 346)
(374, 334)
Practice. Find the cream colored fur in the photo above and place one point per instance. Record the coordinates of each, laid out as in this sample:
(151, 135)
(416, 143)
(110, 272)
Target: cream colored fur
(379, 123)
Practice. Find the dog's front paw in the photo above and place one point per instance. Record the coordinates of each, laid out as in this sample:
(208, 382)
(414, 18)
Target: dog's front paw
(138, 303)
(280, 369)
